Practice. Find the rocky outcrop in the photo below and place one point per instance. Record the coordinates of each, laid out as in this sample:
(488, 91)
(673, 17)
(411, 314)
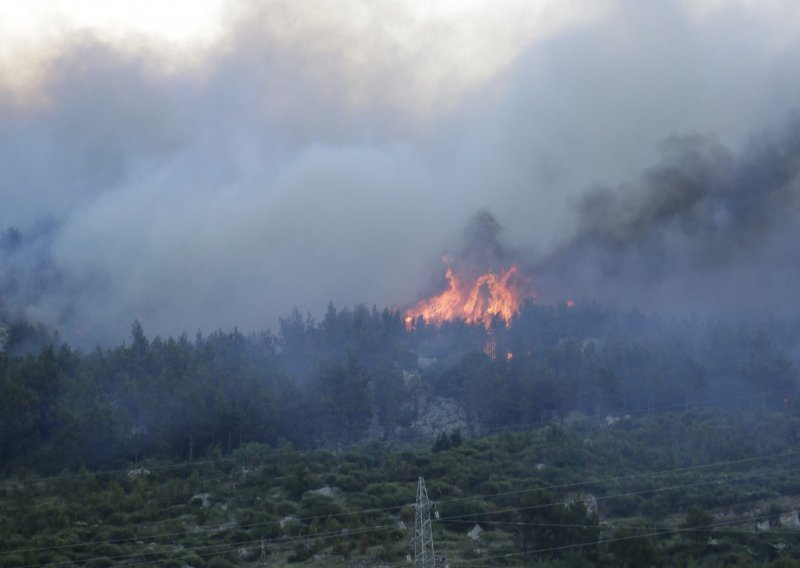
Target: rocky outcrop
(437, 415)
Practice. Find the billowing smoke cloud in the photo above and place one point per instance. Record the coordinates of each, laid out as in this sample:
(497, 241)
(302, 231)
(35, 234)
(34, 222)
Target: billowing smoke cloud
(705, 229)
(303, 159)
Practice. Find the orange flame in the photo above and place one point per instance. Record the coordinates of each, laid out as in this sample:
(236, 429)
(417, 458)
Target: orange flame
(475, 300)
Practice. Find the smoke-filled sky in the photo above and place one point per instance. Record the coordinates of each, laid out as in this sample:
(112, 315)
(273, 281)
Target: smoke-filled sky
(210, 164)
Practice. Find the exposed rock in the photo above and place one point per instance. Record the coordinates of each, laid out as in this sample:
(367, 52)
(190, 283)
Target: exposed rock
(138, 472)
(327, 491)
(247, 471)
(589, 501)
(204, 498)
(243, 553)
(790, 519)
(438, 415)
(611, 420)
(475, 533)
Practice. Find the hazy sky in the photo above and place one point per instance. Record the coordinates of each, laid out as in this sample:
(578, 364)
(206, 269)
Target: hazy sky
(213, 163)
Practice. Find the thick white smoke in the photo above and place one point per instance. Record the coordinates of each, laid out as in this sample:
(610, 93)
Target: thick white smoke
(307, 156)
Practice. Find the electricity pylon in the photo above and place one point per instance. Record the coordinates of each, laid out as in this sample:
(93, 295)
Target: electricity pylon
(423, 535)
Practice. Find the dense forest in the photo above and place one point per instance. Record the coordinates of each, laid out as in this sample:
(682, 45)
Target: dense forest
(580, 435)
(361, 373)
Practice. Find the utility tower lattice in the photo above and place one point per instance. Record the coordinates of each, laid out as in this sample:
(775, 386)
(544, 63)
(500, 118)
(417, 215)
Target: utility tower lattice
(423, 535)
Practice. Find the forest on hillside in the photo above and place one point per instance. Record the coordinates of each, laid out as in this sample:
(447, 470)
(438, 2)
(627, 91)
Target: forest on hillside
(361, 373)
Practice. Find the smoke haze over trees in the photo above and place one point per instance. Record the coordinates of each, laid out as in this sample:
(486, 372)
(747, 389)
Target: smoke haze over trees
(301, 159)
(360, 374)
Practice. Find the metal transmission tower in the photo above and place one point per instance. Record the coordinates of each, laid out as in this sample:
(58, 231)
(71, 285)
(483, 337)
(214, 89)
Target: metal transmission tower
(423, 536)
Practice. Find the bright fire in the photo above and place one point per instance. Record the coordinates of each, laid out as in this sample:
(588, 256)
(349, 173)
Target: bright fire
(479, 299)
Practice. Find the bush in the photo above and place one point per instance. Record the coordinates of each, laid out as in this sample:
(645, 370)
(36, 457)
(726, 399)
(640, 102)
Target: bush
(391, 494)
(106, 549)
(301, 552)
(469, 509)
(621, 506)
(316, 505)
(219, 562)
(11, 560)
(191, 559)
(99, 563)
(285, 508)
(697, 525)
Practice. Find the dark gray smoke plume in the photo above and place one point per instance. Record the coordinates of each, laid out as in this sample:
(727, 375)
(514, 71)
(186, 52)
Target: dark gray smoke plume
(706, 228)
(480, 247)
(483, 247)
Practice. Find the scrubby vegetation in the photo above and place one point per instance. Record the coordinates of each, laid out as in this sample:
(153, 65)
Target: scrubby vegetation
(705, 487)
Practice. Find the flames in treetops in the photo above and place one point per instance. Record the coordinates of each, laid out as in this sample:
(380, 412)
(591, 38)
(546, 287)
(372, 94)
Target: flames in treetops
(481, 298)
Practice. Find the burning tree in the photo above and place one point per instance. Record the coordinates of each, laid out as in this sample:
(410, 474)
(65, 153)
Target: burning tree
(476, 299)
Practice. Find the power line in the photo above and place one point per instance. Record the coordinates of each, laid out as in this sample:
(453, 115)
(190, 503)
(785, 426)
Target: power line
(598, 542)
(460, 499)
(657, 531)
(225, 547)
(385, 527)
(623, 477)
(644, 527)
(622, 494)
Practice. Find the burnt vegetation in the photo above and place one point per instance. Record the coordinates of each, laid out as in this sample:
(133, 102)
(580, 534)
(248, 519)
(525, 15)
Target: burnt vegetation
(582, 434)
